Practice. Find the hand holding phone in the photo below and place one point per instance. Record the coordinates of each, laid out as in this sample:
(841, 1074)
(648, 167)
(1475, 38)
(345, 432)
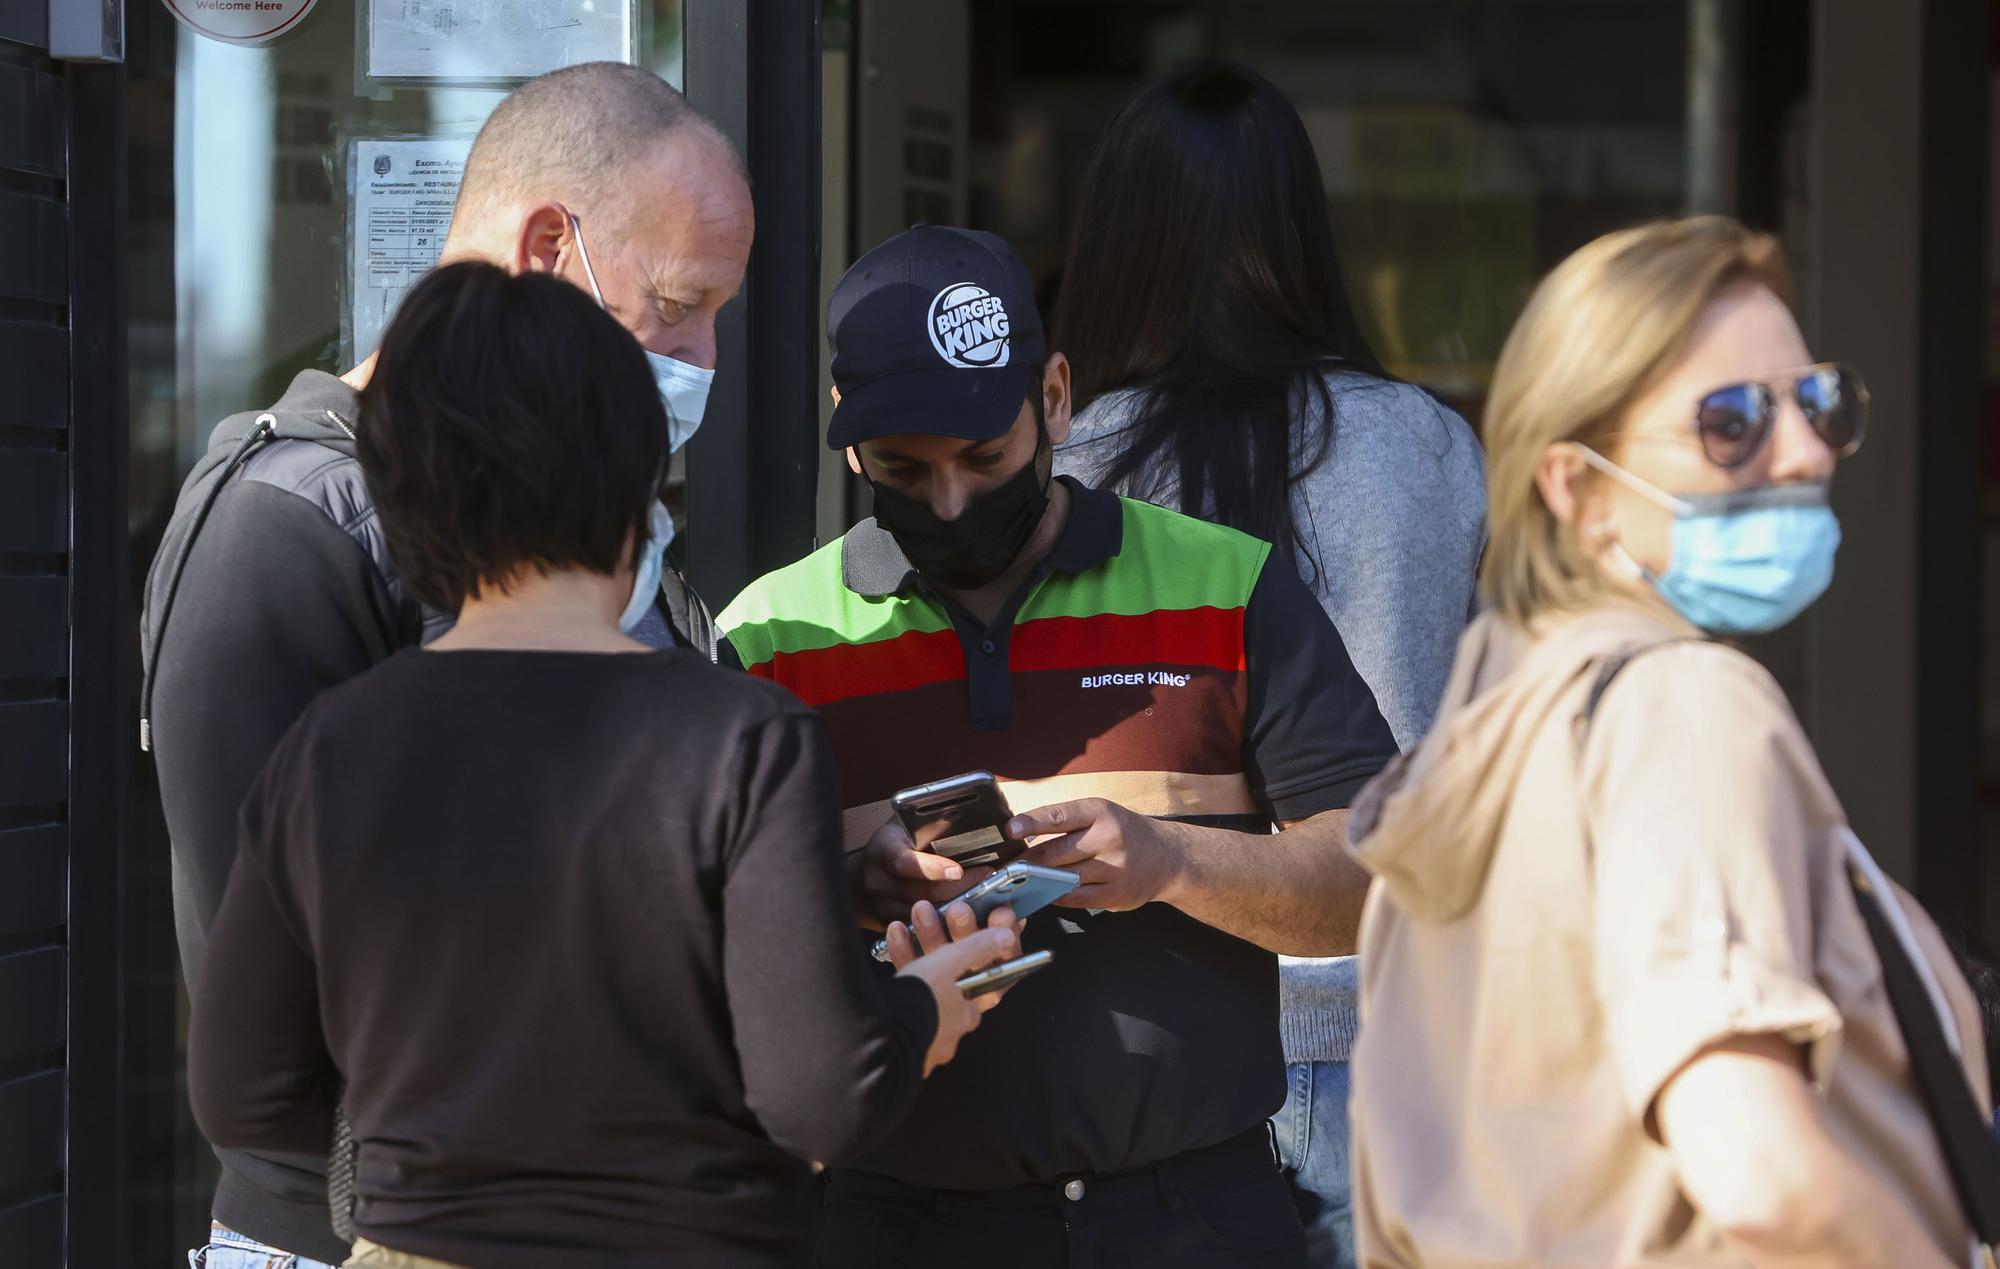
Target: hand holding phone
(943, 968)
(962, 818)
(926, 938)
(1004, 975)
(964, 814)
(1026, 888)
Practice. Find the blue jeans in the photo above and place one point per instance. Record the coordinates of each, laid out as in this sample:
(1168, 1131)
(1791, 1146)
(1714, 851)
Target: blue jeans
(1311, 1130)
(228, 1249)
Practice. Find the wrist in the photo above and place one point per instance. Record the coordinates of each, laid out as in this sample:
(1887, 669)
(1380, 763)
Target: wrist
(864, 903)
(1180, 848)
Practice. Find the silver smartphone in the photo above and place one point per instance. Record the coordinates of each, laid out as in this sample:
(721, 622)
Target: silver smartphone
(1005, 974)
(964, 818)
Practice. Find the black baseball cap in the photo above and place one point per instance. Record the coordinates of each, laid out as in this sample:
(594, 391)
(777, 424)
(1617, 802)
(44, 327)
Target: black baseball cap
(934, 331)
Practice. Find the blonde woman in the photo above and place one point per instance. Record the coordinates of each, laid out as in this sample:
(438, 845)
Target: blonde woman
(1629, 1010)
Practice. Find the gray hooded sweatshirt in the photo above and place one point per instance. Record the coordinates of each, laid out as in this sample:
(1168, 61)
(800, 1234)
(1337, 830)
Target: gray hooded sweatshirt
(1390, 526)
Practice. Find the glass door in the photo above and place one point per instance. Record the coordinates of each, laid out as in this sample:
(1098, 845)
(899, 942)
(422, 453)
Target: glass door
(281, 197)
(1465, 148)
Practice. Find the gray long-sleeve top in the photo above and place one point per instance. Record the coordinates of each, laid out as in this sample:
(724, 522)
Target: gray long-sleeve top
(1391, 526)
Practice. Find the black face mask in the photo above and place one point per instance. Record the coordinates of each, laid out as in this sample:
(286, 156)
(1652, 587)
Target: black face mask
(982, 543)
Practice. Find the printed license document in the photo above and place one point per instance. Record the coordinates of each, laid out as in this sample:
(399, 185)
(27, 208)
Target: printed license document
(400, 199)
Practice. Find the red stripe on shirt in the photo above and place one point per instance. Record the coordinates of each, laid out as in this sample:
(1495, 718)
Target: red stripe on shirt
(1110, 641)
(820, 675)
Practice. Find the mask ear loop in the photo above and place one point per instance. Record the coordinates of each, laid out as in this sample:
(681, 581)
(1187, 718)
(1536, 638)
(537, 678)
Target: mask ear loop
(1633, 570)
(1621, 559)
(658, 507)
(1650, 492)
(583, 254)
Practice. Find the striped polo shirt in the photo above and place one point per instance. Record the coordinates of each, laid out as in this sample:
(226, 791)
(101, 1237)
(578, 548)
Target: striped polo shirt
(1155, 660)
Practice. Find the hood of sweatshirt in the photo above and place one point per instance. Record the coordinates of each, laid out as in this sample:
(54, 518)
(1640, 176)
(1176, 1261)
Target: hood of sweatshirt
(317, 407)
(1428, 825)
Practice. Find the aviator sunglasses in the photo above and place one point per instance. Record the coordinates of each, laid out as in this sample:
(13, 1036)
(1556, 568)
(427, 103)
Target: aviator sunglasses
(1734, 421)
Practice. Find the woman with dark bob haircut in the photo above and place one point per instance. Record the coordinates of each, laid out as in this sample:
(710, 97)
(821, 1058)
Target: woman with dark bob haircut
(1220, 371)
(557, 919)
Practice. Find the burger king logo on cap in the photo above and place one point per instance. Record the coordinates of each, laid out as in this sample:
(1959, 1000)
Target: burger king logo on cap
(968, 326)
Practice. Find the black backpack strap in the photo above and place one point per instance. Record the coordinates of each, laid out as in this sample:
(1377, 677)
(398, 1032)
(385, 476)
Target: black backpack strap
(1607, 670)
(149, 659)
(1962, 1132)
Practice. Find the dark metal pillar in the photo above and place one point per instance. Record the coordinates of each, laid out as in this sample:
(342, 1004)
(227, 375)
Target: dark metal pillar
(1951, 383)
(752, 470)
(102, 713)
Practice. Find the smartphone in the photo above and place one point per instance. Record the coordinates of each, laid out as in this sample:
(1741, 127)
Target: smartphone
(1026, 888)
(963, 818)
(1005, 974)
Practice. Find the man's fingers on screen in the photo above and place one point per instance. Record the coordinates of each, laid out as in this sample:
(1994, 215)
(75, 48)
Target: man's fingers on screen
(1059, 817)
(951, 890)
(1059, 852)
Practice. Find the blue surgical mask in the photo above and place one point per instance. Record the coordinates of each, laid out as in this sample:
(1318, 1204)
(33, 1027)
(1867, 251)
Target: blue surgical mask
(683, 387)
(1745, 561)
(652, 559)
(684, 391)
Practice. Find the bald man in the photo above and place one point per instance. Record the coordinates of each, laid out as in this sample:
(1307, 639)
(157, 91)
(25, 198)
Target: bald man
(273, 581)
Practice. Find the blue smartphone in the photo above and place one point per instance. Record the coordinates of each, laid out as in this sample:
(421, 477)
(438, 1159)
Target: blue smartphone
(1026, 888)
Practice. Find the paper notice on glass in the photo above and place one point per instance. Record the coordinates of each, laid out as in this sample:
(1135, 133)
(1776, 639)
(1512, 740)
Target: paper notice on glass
(402, 194)
(494, 39)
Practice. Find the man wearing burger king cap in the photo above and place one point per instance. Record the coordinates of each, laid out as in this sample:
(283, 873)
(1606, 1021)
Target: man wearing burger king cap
(1163, 693)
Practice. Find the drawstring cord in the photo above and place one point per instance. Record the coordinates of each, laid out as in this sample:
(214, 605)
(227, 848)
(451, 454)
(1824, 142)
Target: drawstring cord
(266, 429)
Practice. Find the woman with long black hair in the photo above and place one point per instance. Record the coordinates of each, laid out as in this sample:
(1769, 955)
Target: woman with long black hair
(1222, 373)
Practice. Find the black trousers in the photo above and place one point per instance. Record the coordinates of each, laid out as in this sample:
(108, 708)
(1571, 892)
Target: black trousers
(1222, 1207)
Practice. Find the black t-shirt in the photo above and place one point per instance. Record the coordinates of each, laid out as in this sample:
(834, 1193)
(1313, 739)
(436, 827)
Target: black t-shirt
(571, 927)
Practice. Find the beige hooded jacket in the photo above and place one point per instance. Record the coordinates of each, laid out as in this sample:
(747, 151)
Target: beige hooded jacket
(1566, 916)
